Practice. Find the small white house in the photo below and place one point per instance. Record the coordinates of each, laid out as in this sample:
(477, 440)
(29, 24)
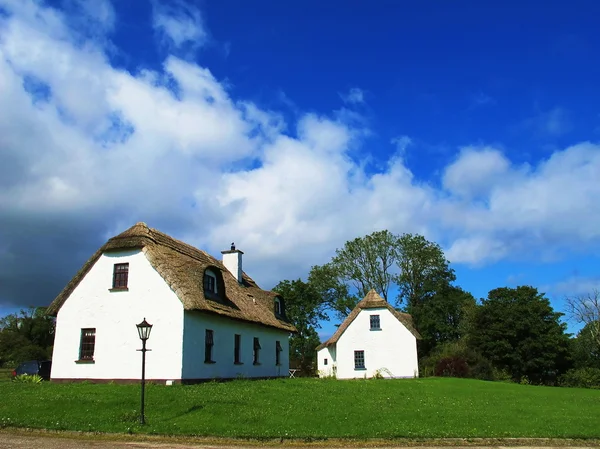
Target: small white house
(375, 339)
(210, 320)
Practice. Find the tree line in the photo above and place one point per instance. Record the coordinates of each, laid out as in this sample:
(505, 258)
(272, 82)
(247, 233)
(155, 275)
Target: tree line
(26, 335)
(513, 334)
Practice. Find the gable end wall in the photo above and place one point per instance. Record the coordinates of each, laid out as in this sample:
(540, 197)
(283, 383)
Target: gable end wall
(115, 315)
(391, 351)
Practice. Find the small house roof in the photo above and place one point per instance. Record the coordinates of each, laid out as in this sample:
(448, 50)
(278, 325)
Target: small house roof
(371, 301)
(182, 267)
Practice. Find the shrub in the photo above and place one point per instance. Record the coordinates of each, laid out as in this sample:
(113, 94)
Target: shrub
(25, 378)
(581, 377)
(453, 366)
(478, 367)
(501, 375)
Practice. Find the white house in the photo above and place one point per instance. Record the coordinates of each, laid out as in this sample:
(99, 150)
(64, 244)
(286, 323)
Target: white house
(210, 320)
(375, 339)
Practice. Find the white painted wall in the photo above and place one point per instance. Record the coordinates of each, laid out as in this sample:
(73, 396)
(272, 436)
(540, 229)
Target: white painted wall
(392, 350)
(328, 354)
(224, 329)
(114, 315)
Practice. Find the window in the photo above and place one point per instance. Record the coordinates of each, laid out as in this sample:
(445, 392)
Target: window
(278, 307)
(236, 349)
(359, 359)
(210, 283)
(256, 348)
(120, 275)
(375, 324)
(208, 346)
(278, 353)
(87, 344)
(324, 361)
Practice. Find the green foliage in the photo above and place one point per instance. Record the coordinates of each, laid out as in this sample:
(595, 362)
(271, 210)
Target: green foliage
(276, 409)
(423, 270)
(304, 307)
(582, 378)
(25, 378)
(334, 294)
(454, 366)
(501, 375)
(366, 262)
(585, 349)
(517, 330)
(443, 317)
(27, 335)
(448, 358)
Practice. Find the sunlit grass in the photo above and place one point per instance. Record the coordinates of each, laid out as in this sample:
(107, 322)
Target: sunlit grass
(310, 408)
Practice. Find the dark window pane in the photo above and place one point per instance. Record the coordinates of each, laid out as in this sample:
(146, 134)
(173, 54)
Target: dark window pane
(277, 353)
(359, 359)
(236, 348)
(120, 275)
(375, 324)
(210, 284)
(256, 350)
(208, 345)
(87, 344)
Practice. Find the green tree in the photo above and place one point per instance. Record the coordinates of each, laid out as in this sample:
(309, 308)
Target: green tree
(518, 331)
(585, 349)
(366, 263)
(424, 270)
(304, 307)
(334, 293)
(443, 317)
(26, 335)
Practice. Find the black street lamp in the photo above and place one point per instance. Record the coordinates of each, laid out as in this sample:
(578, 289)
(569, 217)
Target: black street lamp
(144, 329)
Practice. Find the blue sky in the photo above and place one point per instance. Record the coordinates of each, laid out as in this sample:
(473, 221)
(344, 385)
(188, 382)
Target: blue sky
(293, 127)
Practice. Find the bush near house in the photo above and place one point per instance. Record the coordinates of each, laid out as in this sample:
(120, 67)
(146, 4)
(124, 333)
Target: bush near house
(582, 378)
(310, 408)
(455, 359)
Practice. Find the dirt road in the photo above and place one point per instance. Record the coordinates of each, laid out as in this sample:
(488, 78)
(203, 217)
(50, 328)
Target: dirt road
(38, 440)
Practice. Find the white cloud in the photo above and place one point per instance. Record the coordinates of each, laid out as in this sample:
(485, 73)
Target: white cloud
(174, 148)
(574, 286)
(179, 23)
(549, 208)
(99, 14)
(401, 143)
(354, 96)
(475, 172)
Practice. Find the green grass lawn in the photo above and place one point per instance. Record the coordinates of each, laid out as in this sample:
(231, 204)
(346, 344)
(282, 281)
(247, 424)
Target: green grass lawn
(310, 408)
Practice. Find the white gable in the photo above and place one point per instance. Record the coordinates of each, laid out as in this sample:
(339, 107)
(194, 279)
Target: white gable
(114, 315)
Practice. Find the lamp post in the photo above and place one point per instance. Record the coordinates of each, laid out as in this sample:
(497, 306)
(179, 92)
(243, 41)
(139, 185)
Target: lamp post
(144, 329)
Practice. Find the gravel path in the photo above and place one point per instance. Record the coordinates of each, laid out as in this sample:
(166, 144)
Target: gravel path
(34, 440)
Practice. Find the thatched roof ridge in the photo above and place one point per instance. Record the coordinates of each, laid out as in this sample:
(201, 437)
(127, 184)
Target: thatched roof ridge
(182, 267)
(371, 301)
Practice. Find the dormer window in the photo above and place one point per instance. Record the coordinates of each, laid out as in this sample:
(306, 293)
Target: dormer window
(278, 306)
(210, 283)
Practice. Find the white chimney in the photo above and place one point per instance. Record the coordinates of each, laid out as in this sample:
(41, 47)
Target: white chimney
(232, 260)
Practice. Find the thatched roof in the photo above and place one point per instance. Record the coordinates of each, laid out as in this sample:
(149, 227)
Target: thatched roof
(371, 301)
(182, 267)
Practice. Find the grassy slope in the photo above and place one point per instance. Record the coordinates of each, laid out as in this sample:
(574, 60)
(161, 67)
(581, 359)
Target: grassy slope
(301, 408)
